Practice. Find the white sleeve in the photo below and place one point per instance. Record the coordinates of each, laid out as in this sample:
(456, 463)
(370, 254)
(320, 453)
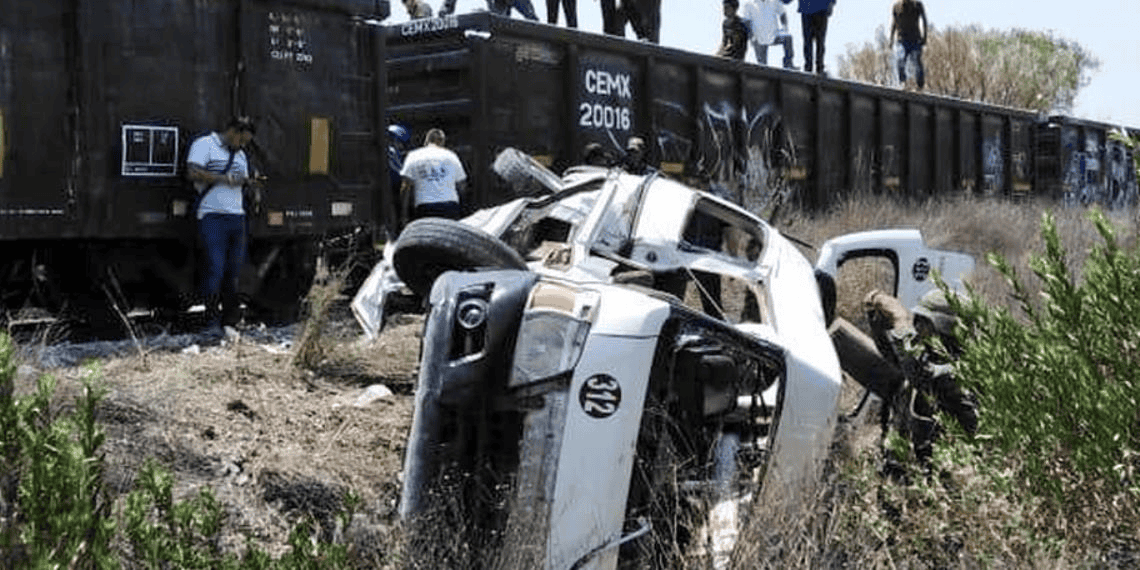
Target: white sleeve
(406, 168)
(199, 153)
(460, 174)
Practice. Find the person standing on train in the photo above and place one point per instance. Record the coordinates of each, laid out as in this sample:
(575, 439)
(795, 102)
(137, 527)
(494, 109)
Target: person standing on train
(219, 168)
(644, 16)
(570, 7)
(813, 18)
(734, 33)
(503, 8)
(906, 17)
(613, 18)
(769, 26)
(417, 9)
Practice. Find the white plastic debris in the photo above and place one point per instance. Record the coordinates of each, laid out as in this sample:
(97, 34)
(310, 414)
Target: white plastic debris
(371, 395)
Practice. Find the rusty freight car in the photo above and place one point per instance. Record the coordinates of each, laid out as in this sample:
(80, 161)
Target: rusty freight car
(99, 102)
(492, 83)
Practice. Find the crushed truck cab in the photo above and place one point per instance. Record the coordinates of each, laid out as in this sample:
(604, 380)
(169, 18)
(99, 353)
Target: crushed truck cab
(618, 365)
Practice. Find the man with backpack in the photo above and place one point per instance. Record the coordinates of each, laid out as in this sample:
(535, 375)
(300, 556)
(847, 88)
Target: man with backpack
(219, 168)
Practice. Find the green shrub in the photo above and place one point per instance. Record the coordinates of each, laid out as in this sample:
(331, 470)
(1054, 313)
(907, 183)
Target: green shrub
(55, 512)
(1058, 389)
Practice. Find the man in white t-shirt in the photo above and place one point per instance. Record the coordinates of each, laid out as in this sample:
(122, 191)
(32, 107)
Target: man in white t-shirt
(769, 25)
(433, 180)
(219, 168)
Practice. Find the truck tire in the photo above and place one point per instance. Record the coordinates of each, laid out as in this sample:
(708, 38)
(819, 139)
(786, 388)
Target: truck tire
(430, 246)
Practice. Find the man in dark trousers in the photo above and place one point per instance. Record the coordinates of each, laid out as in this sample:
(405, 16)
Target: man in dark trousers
(644, 16)
(219, 169)
(503, 8)
(434, 180)
(500, 7)
(570, 7)
(908, 28)
(734, 34)
(813, 17)
(613, 19)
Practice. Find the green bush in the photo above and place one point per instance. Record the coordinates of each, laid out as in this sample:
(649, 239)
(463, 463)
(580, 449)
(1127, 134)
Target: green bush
(1058, 386)
(55, 512)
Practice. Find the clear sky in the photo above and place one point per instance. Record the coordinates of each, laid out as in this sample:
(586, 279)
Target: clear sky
(1106, 28)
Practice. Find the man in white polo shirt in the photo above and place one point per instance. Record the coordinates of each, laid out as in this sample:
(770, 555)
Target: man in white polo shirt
(433, 180)
(769, 25)
(219, 169)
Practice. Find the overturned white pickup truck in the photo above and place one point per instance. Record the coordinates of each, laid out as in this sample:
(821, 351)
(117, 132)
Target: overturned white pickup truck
(611, 373)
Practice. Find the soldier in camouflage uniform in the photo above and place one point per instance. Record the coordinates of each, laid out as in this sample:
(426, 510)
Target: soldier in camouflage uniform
(927, 384)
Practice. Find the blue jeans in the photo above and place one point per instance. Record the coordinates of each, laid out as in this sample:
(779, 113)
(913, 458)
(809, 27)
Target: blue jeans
(815, 37)
(911, 50)
(762, 50)
(503, 8)
(223, 240)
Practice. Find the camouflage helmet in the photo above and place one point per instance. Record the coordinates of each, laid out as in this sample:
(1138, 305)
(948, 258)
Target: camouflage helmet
(934, 308)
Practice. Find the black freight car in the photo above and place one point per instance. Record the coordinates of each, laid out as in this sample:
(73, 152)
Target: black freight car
(99, 102)
(492, 82)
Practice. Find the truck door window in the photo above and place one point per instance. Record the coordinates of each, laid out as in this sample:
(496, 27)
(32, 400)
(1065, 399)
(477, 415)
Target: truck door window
(857, 276)
(713, 228)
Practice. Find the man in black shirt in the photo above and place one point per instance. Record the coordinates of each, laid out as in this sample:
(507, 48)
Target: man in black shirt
(734, 40)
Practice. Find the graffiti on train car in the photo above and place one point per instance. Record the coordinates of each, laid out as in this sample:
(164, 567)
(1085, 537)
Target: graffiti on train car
(746, 153)
(993, 166)
(1098, 172)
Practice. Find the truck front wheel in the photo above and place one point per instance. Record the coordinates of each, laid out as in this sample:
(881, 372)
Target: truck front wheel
(430, 246)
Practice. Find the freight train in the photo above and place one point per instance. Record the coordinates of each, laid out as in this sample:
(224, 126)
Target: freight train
(100, 100)
(493, 83)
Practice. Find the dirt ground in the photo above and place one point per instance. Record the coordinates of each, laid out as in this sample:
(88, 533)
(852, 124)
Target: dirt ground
(274, 442)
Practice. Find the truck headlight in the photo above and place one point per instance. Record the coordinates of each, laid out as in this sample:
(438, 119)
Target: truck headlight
(553, 332)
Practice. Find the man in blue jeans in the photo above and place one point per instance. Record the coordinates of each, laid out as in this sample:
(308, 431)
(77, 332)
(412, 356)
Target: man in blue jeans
(503, 8)
(219, 169)
(908, 28)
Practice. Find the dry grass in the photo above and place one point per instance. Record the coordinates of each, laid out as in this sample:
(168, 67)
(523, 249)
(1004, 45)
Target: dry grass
(277, 442)
(978, 226)
(963, 516)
